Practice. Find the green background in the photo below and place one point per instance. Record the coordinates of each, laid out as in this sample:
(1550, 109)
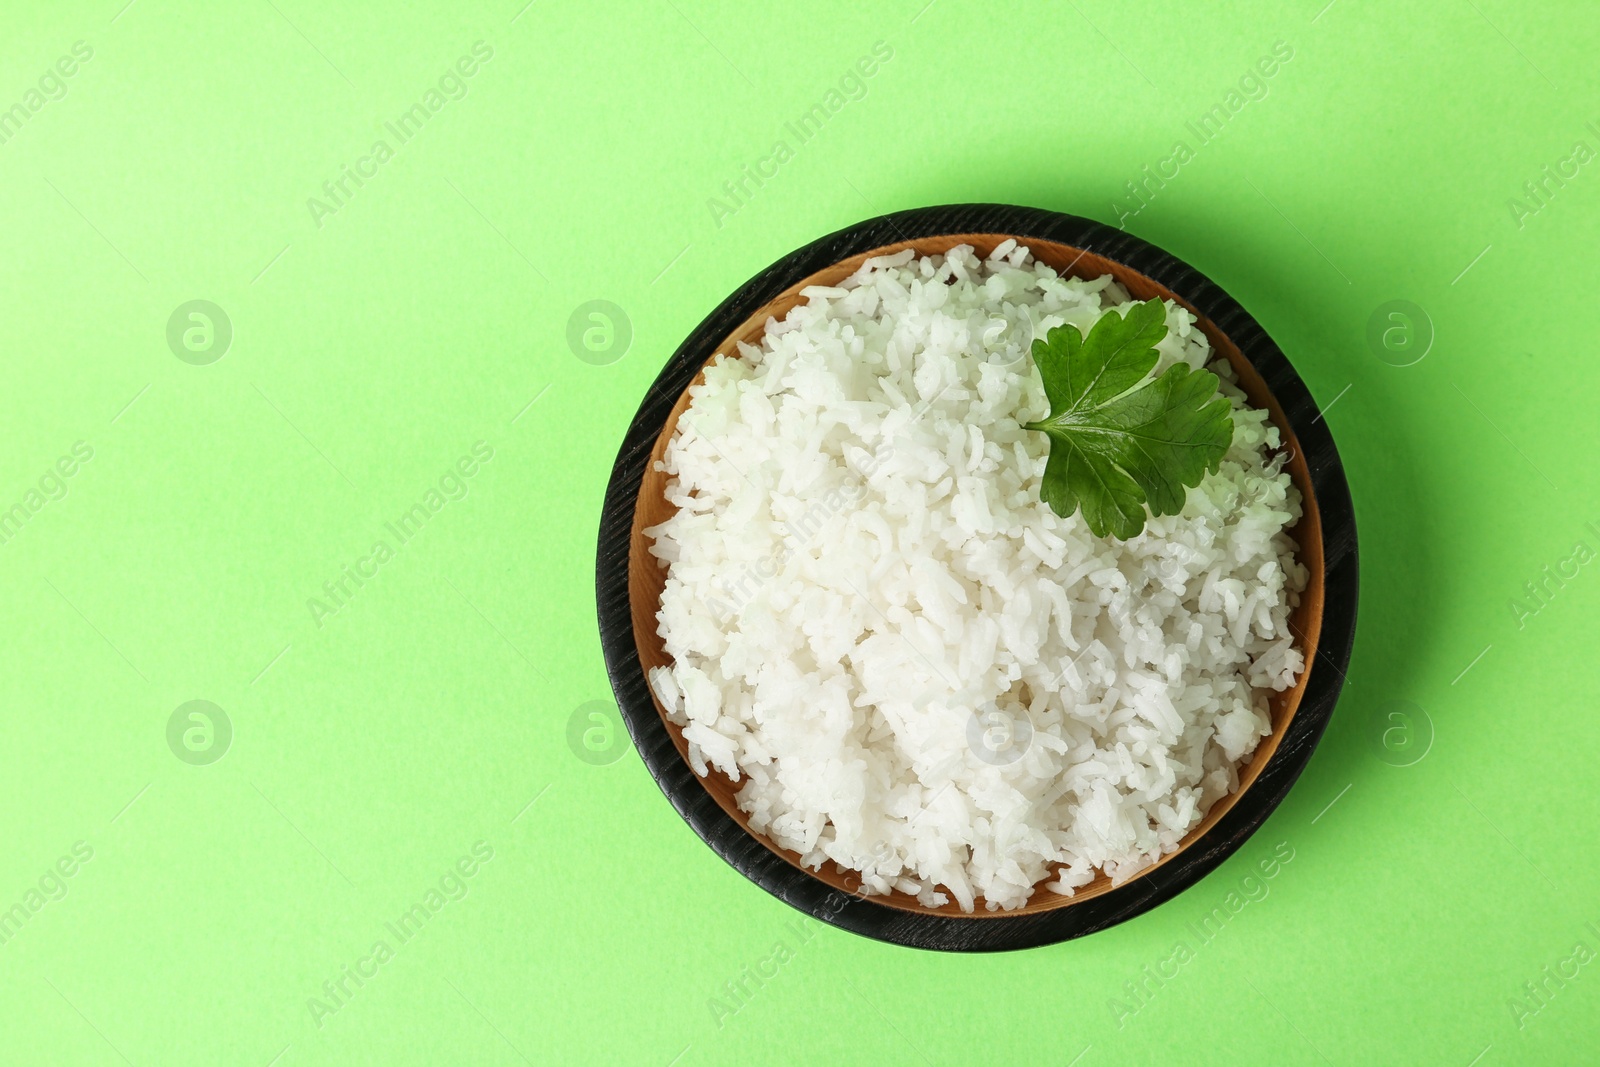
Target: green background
(1442, 837)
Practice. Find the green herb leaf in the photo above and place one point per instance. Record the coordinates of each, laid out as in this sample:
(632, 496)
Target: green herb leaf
(1120, 441)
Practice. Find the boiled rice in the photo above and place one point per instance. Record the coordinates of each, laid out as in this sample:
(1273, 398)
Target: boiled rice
(910, 664)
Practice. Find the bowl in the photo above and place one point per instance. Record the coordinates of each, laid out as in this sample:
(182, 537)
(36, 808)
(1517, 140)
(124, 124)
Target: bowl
(629, 581)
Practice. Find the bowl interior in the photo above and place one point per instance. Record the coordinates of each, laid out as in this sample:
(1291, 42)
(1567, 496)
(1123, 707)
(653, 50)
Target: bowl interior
(647, 579)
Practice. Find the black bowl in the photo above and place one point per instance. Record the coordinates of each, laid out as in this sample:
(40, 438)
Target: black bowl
(983, 932)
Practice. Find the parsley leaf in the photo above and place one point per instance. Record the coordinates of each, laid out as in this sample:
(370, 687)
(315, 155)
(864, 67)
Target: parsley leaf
(1118, 440)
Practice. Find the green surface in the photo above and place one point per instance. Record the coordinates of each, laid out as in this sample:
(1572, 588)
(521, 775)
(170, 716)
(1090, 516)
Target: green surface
(1439, 860)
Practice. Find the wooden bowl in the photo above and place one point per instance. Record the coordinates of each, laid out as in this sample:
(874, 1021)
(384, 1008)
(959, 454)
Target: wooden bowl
(1246, 349)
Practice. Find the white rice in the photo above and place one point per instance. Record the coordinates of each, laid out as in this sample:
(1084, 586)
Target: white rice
(913, 666)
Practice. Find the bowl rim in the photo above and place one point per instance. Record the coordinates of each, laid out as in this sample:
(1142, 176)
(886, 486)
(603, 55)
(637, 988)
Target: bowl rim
(984, 932)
